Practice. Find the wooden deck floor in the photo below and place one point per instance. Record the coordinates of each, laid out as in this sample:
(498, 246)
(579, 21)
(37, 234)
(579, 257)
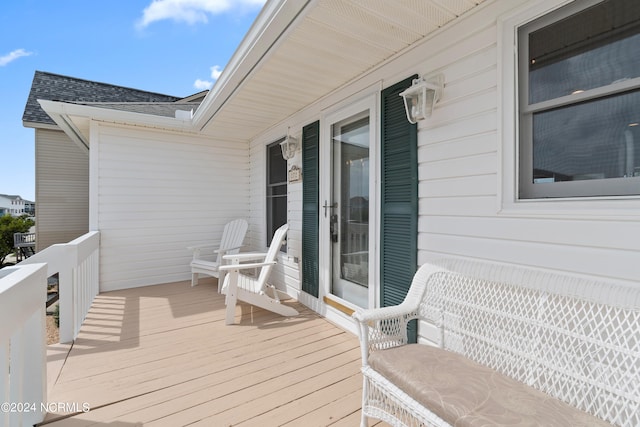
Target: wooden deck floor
(162, 356)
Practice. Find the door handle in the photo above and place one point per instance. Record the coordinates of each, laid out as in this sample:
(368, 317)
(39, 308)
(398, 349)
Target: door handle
(335, 205)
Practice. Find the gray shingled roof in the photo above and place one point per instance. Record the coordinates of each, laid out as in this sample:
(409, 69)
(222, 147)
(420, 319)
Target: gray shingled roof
(166, 109)
(55, 87)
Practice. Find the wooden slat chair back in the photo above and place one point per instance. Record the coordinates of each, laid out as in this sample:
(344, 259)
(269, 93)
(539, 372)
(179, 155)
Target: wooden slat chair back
(230, 243)
(255, 290)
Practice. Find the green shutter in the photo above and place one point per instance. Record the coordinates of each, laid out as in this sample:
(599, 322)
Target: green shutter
(310, 207)
(399, 198)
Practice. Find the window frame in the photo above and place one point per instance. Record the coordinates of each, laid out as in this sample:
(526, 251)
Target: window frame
(526, 189)
(270, 226)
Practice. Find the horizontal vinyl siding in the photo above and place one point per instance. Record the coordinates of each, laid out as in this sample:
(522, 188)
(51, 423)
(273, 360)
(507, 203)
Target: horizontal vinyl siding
(159, 193)
(62, 189)
(292, 272)
(257, 235)
(459, 157)
(294, 202)
(458, 144)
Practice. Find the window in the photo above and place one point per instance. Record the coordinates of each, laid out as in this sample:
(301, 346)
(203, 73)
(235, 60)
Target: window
(579, 101)
(276, 189)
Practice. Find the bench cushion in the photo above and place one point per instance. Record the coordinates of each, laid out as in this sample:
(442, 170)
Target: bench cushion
(465, 393)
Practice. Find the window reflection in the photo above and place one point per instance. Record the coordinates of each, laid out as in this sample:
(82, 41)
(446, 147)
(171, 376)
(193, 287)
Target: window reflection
(593, 140)
(591, 49)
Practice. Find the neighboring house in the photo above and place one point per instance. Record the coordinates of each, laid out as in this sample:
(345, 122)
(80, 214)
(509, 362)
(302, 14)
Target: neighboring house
(526, 159)
(11, 205)
(30, 207)
(62, 159)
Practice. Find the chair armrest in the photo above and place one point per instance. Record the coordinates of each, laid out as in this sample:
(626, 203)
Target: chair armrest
(238, 267)
(196, 249)
(246, 256)
(387, 326)
(383, 313)
(224, 250)
(203, 246)
(382, 328)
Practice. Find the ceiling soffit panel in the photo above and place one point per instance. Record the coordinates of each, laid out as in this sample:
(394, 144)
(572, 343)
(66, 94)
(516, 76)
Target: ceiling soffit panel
(83, 124)
(321, 40)
(456, 7)
(360, 24)
(401, 15)
(336, 42)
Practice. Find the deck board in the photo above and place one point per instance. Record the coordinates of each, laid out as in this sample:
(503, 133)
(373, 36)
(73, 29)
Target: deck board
(162, 356)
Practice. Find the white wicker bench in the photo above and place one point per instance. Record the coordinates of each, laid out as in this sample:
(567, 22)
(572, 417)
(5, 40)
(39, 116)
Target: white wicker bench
(513, 347)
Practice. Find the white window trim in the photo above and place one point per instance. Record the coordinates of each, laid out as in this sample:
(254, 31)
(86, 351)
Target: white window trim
(508, 130)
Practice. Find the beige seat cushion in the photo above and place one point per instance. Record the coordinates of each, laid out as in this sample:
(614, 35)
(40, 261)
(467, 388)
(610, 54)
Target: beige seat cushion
(465, 393)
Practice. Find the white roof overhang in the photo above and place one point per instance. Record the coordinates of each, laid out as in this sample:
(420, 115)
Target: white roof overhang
(74, 119)
(296, 53)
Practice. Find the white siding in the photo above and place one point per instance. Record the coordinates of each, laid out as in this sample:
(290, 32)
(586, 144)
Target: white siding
(460, 168)
(62, 189)
(158, 193)
(291, 262)
(257, 235)
(460, 179)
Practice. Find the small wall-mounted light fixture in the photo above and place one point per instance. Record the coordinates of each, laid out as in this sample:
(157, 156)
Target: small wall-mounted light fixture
(420, 98)
(289, 146)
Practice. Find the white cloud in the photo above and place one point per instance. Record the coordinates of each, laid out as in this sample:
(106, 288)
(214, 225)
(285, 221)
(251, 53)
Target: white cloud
(202, 84)
(216, 70)
(191, 11)
(12, 56)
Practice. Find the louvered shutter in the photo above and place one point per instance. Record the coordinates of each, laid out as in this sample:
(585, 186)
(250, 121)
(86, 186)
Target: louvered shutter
(399, 198)
(310, 207)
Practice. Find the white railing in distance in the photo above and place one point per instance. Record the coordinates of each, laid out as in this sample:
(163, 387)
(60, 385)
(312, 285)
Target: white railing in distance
(77, 265)
(23, 364)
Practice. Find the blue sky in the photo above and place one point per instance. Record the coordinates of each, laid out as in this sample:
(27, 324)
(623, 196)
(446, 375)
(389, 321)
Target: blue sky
(175, 47)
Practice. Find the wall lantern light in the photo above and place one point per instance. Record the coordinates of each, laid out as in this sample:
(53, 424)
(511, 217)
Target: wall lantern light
(289, 146)
(420, 98)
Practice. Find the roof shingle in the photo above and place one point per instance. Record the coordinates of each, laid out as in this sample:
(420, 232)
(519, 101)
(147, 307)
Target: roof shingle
(56, 87)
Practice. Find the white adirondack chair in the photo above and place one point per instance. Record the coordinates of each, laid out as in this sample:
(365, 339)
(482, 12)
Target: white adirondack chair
(255, 290)
(230, 243)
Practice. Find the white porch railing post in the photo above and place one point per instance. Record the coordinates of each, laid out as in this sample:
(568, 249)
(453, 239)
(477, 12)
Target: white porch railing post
(23, 367)
(66, 292)
(77, 265)
(35, 356)
(23, 295)
(4, 379)
(84, 277)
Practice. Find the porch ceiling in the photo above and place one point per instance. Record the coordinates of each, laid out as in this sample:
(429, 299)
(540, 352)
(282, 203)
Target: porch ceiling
(330, 43)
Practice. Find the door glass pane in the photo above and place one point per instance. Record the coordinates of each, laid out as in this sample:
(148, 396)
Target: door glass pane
(350, 218)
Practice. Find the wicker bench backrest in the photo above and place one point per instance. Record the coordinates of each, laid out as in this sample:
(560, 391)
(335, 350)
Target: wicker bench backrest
(574, 339)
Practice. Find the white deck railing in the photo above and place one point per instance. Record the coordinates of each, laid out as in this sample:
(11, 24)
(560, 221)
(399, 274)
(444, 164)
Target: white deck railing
(76, 264)
(23, 294)
(23, 364)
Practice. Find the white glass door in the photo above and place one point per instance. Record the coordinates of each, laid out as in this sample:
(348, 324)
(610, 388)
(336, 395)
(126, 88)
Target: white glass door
(350, 205)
